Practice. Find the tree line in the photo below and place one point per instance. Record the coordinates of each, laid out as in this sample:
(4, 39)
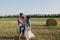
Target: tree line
(34, 16)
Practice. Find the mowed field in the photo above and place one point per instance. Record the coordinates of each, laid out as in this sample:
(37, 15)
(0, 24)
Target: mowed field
(9, 28)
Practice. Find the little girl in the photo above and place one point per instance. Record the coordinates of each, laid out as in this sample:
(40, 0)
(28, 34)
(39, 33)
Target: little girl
(28, 33)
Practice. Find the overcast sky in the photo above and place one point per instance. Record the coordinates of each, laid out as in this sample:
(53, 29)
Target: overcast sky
(13, 7)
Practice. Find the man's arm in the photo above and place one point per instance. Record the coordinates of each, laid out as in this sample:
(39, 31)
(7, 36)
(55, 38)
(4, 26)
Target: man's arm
(21, 21)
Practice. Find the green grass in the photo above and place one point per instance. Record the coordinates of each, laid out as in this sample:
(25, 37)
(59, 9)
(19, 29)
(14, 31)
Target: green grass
(8, 19)
(9, 28)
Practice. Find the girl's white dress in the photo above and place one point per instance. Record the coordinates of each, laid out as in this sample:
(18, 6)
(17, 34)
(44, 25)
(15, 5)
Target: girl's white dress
(28, 33)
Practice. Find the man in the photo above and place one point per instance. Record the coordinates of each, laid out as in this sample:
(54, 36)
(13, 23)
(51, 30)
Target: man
(21, 23)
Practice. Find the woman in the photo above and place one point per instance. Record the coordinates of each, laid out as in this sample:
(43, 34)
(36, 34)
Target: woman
(28, 33)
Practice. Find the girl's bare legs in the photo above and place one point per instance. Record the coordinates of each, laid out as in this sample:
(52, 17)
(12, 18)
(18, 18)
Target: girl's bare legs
(20, 36)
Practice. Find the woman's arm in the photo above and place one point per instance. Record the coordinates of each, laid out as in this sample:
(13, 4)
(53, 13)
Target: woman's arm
(29, 25)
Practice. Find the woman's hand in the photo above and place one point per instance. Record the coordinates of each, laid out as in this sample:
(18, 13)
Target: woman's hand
(29, 29)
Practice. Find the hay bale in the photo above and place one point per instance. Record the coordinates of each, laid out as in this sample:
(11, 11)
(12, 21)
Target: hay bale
(51, 21)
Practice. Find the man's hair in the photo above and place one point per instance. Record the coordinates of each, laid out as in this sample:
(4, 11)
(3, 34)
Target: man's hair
(28, 17)
(21, 14)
